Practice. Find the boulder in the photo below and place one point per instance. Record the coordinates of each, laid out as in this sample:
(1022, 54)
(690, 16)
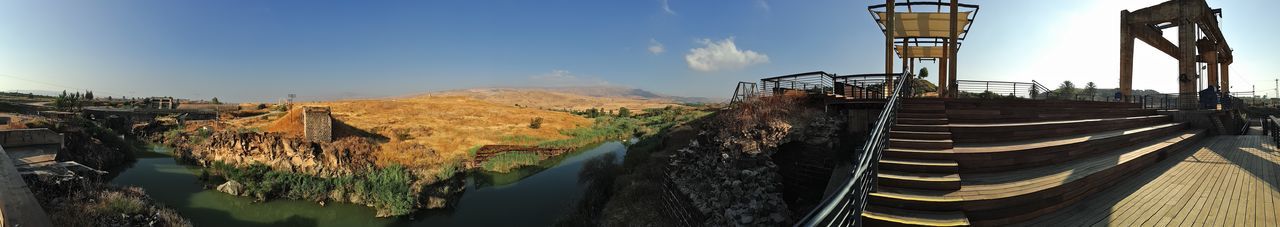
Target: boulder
(232, 187)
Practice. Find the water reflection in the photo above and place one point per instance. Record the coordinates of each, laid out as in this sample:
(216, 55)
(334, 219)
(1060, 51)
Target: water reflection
(531, 196)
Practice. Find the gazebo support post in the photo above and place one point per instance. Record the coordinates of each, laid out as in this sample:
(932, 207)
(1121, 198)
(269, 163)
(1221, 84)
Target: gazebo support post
(953, 48)
(889, 21)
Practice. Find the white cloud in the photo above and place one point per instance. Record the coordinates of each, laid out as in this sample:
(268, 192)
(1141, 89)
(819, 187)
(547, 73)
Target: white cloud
(666, 7)
(655, 47)
(722, 55)
(763, 5)
(561, 77)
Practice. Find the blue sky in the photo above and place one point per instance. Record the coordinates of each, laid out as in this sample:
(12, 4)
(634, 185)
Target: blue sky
(262, 50)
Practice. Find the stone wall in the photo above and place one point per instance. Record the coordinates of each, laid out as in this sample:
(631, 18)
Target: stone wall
(317, 124)
(28, 137)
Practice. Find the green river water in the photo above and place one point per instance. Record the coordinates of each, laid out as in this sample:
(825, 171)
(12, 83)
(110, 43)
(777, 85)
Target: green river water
(531, 196)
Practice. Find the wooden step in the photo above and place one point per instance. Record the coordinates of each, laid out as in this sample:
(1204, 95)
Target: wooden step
(920, 144)
(875, 215)
(922, 106)
(923, 121)
(1017, 115)
(919, 154)
(1044, 104)
(986, 133)
(919, 165)
(921, 115)
(1011, 196)
(921, 128)
(932, 181)
(922, 110)
(920, 135)
(924, 101)
(994, 157)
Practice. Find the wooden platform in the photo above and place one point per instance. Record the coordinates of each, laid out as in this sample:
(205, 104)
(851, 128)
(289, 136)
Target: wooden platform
(1221, 181)
(1008, 161)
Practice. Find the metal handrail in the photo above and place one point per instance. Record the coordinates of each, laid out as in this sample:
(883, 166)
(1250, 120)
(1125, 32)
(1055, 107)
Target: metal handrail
(844, 207)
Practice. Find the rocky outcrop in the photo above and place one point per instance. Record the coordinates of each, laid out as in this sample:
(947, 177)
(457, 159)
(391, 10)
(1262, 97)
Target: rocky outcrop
(232, 187)
(727, 172)
(338, 158)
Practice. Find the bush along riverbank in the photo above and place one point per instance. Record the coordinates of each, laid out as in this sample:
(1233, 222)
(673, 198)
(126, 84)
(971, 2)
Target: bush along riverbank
(75, 200)
(269, 166)
(391, 191)
(605, 128)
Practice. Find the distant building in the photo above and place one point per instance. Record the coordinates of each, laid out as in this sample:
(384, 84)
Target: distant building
(161, 103)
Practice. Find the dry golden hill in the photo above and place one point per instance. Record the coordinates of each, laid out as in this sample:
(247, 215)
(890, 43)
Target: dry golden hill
(606, 98)
(426, 131)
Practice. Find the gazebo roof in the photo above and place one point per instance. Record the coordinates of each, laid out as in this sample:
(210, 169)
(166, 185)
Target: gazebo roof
(921, 27)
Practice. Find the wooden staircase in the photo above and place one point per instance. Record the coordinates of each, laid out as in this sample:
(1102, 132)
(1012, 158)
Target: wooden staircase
(999, 162)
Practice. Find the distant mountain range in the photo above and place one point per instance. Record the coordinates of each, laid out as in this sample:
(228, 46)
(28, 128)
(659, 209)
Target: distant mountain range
(605, 92)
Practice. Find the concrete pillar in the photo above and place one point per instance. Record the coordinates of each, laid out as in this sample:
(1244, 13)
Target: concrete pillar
(1126, 55)
(953, 49)
(1187, 65)
(889, 21)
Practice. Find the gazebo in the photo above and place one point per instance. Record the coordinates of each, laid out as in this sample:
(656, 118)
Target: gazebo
(924, 30)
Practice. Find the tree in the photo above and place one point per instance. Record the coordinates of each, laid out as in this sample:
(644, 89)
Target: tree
(624, 112)
(1067, 89)
(924, 73)
(88, 95)
(215, 100)
(66, 102)
(1090, 89)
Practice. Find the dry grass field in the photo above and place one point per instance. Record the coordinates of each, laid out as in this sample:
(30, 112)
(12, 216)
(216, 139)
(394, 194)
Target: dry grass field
(558, 100)
(427, 131)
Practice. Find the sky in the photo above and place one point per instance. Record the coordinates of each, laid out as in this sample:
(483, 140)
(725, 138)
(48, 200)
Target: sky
(250, 51)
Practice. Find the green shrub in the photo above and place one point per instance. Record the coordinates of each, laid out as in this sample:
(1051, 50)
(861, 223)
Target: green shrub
(387, 189)
(508, 161)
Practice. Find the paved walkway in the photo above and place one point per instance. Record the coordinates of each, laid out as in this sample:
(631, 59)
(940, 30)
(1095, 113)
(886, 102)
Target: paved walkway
(1223, 181)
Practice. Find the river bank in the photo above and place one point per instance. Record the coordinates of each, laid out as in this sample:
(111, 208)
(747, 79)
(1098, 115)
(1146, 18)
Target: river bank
(546, 191)
(72, 191)
(354, 169)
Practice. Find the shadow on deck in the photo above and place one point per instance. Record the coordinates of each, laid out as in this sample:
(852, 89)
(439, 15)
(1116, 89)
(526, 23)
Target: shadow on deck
(1222, 181)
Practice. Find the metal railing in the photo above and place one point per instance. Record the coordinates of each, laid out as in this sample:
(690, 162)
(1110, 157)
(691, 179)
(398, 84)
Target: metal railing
(744, 91)
(862, 86)
(971, 88)
(817, 82)
(844, 207)
(1171, 101)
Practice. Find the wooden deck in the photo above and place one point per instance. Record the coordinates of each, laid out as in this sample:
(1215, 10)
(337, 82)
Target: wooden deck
(1222, 181)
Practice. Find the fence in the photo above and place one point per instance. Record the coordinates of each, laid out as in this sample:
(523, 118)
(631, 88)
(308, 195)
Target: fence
(862, 86)
(982, 88)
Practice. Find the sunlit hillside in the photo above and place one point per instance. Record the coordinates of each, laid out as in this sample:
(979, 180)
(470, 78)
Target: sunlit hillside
(427, 130)
(565, 98)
